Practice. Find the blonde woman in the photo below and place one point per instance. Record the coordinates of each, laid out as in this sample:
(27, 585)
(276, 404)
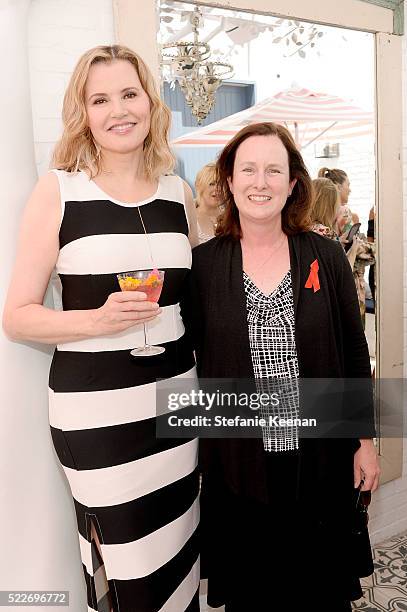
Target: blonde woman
(346, 218)
(110, 206)
(207, 202)
(325, 207)
(361, 254)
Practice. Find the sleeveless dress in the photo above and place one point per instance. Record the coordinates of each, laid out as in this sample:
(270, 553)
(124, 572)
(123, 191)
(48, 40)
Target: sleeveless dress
(139, 491)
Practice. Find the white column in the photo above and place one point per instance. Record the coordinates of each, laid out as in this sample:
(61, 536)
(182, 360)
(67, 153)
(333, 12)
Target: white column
(39, 549)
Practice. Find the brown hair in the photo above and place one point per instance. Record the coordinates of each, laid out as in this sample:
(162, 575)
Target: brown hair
(295, 214)
(77, 150)
(334, 174)
(205, 177)
(326, 202)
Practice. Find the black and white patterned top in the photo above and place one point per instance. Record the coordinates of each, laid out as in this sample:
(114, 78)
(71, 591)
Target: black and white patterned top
(271, 326)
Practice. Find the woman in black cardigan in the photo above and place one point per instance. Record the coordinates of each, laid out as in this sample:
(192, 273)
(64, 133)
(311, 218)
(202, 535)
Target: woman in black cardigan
(269, 299)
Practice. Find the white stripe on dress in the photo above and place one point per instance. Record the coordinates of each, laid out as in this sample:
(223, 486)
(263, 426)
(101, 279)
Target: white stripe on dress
(146, 555)
(113, 253)
(111, 486)
(93, 409)
(166, 327)
(76, 186)
(182, 596)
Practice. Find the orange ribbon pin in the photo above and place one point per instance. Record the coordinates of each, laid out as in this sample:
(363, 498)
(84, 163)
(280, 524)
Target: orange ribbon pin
(313, 280)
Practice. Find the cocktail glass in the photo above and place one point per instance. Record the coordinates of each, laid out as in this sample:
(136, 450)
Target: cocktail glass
(151, 283)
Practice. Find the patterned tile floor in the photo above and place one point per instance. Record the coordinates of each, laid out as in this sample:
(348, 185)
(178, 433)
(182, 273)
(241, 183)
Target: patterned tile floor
(386, 590)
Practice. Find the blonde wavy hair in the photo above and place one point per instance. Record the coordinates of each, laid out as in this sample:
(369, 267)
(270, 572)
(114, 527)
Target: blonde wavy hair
(205, 177)
(77, 150)
(326, 202)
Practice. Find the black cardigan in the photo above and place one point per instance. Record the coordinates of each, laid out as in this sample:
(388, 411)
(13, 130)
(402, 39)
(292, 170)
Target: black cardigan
(330, 343)
(329, 334)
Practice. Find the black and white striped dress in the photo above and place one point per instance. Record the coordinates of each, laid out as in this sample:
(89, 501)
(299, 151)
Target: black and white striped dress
(140, 492)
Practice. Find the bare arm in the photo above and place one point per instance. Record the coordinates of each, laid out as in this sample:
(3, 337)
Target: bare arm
(191, 215)
(24, 317)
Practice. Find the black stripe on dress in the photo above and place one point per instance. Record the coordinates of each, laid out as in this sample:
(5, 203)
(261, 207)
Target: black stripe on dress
(86, 291)
(90, 588)
(102, 604)
(92, 449)
(99, 217)
(140, 517)
(75, 371)
(194, 605)
(151, 592)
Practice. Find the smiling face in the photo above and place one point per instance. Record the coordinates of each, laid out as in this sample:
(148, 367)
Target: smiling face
(117, 106)
(261, 179)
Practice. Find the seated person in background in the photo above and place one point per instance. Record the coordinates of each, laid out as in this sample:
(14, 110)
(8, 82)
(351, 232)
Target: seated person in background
(325, 208)
(345, 218)
(207, 202)
(362, 253)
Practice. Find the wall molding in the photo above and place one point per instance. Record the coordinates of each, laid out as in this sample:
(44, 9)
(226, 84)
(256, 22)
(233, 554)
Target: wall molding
(397, 6)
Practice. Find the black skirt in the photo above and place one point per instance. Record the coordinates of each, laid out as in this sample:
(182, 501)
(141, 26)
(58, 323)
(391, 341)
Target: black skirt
(269, 556)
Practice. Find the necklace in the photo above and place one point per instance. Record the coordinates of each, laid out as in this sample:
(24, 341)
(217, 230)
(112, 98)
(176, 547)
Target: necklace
(269, 256)
(147, 239)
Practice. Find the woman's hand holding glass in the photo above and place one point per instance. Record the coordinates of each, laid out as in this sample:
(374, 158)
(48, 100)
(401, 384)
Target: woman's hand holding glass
(122, 310)
(150, 283)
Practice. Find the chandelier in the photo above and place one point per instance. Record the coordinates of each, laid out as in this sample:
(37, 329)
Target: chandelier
(197, 75)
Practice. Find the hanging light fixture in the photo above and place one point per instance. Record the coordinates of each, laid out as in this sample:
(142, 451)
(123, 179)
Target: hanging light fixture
(197, 75)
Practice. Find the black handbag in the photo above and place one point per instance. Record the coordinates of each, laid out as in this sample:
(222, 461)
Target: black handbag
(361, 549)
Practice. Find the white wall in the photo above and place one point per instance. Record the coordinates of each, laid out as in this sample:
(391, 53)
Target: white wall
(59, 31)
(31, 484)
(37, 525)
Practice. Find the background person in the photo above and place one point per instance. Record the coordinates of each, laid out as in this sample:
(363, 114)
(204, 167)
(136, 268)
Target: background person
(345, 217)
(278, 511)
(109, 207)
(325, 208)
(362, 253)
(207, 202)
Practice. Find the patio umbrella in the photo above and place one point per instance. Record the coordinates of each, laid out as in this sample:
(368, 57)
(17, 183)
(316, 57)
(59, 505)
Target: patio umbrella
(307, 114)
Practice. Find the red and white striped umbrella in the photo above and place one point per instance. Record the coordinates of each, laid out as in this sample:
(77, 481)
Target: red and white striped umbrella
(307, 114)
